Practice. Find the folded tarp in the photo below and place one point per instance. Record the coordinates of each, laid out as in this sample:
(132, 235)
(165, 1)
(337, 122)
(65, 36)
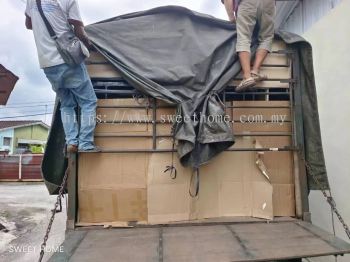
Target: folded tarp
(186, 58)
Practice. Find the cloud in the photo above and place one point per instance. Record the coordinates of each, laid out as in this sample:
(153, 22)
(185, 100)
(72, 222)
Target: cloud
(18, 51)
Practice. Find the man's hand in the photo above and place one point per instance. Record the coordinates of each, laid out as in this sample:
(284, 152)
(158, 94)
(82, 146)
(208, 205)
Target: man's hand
(230, 6)
(233, 17)
(79, 31)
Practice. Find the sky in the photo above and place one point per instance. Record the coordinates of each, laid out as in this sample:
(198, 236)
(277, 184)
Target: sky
(32, 94)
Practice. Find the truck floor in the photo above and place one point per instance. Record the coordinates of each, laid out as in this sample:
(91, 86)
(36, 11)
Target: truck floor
(258, 241)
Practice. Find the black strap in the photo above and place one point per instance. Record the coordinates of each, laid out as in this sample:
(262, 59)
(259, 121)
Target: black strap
(172, 168)
(46, 22)
(195, 176)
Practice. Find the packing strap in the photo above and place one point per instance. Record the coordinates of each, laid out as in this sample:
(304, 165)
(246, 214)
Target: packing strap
(46, 22)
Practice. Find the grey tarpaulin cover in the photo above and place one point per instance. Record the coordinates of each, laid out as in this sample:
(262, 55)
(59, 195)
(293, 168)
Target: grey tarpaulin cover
(186, 58)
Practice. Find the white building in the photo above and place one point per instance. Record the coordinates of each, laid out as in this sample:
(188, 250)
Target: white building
(325, 24)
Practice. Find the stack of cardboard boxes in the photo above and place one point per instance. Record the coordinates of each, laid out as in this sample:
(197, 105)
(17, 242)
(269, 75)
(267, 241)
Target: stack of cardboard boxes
(119, 188)
(124, 187)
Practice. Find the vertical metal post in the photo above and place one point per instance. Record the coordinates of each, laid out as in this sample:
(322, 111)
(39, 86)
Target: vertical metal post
(301, 186)
(20, 168)
(72, 191)
(154, 124)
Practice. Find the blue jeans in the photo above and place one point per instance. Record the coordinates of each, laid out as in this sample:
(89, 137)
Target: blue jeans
(74, 88)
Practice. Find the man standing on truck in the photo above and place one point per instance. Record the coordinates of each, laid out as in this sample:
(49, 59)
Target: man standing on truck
(246, 14)
(71, 83)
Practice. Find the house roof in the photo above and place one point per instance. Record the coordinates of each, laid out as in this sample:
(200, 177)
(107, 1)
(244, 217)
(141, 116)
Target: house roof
(21, 123)
(7, 83)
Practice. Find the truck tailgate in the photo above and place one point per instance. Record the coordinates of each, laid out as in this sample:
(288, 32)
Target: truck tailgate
(258, 241)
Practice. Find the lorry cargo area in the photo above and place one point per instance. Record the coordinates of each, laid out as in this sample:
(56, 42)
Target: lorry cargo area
(137, 200)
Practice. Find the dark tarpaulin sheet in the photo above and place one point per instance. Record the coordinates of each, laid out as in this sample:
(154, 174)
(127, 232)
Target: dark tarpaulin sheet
(186, 58)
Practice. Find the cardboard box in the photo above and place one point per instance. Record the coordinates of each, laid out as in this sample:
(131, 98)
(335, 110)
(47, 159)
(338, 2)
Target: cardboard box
(112, 188)
(98, 67)
(284, 200)
(111, 205)
(122, 143)
(122, 118)
(107, 170)
(230, 185)
(241, 188)
(168, 199)
(120, 188)
(268, 111)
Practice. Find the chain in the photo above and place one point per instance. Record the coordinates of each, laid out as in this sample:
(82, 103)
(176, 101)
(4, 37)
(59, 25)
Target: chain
(329, 198)
(54, 211)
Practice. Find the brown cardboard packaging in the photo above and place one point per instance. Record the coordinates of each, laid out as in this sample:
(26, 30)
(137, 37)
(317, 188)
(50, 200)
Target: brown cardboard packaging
(122, 143)
(112, 187)
(168, 199)
(112, 205)
(119, 120)
(284, 200)
(107, 170)
(116, 188)
(242, 190)
(230, 185)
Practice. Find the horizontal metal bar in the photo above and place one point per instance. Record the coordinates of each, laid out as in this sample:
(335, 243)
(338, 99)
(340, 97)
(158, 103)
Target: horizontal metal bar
(135, 92)
(107, 63)
(137, 107)
(124, 107)
(117, 122)
(263, 134)
(283, 66)
(257, 107)
(107, 79)
(257, 122)
(132, 136)
(284, 51)
(274, 134)
(281, 80)
(117, 92)
(128, 151)
(174, 107)
(87, 62)
(112, 83)
(256, 93)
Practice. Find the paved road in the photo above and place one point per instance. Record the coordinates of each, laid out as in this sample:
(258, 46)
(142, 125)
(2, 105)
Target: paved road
(24, 212)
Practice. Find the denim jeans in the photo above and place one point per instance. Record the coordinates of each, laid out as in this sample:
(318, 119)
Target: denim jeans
(74, 88)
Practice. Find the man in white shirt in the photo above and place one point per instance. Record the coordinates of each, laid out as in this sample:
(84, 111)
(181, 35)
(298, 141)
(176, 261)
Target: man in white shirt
(71, 83)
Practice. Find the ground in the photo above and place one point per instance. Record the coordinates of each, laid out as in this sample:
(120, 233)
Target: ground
(24, 216)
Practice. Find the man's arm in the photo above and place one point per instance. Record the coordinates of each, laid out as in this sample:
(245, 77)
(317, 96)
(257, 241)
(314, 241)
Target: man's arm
(230, 6)
(74, 18)
(28, 22)
(79, 31)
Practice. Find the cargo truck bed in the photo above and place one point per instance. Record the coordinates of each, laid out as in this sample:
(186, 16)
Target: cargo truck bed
(222, 239)
(253, 240)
